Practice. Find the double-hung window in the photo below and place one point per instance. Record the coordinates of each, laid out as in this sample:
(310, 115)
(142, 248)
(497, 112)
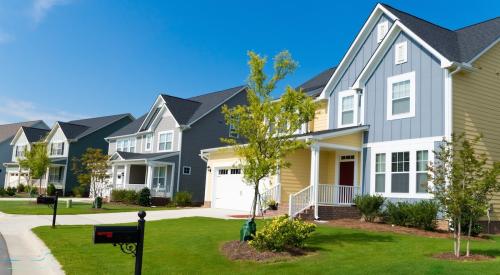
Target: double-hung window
(422, 176)
(400, 176)
(232, 132)
(380, 173)
(20, 150)
(126, 145)
(148, 142)
(165, 141)
(347, 108)
(57, 149)
(159, 177)
(401, 96)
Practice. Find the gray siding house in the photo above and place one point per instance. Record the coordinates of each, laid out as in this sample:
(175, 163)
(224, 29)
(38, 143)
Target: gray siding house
(7, 133)
(160, 150)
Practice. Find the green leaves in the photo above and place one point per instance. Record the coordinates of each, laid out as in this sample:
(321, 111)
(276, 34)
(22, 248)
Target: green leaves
(36, 160)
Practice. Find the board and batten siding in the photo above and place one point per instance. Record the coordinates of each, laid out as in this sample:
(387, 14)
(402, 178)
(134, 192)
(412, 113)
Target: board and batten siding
(476, 107)
(429, 96)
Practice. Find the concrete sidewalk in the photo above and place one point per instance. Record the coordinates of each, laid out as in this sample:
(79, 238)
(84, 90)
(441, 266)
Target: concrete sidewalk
(29, 255)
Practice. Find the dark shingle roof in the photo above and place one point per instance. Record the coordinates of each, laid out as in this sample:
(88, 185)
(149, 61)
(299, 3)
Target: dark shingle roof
(76, 129)
(131, 128)
(130, 156)
(8, 131)
(34, 134)
(182, 109)
(460, 45)
(314, 86)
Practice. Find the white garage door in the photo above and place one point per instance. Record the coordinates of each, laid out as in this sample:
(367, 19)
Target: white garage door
(231, 192)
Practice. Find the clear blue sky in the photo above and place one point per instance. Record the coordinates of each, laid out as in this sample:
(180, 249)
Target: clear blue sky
(65, 59)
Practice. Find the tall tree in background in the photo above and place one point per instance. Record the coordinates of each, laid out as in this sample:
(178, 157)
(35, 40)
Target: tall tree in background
(93, 168)
(265, 125)
(463, 183)
(36, 161)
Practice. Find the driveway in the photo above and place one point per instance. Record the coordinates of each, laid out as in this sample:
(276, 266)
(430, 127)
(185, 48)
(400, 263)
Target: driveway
(29, 255)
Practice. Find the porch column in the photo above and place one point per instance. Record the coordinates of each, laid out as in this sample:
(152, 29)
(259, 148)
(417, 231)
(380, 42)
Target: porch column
(149, 176)
(126, 172)
(315, 177)
(113, 176)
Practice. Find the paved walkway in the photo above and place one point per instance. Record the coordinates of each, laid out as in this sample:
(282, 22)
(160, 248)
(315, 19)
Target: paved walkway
(29, 255)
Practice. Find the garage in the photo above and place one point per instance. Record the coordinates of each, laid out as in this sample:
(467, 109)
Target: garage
(231, 192)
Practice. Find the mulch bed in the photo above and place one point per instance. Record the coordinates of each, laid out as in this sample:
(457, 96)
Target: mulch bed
(472, 258)
(383, 227)
(236, 250)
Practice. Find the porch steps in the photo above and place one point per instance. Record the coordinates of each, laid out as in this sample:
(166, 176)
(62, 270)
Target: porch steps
(331, 213)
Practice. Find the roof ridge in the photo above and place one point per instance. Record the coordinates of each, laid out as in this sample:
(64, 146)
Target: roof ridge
(34, 128)
(220, 91)
(38, 120)
(187, 99)
(97, 117)
(425, 20)
(478, 23)
(73, 124)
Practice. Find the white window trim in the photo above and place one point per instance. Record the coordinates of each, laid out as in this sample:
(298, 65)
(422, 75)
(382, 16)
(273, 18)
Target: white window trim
(341, 95)
(379, 173)
(404, 59)
(129, 143)
(230, 134)
(184, 167)
(390, 82)
(159, 140)
(381, 36)
(146, 142)
(63, 148)
(412, 146)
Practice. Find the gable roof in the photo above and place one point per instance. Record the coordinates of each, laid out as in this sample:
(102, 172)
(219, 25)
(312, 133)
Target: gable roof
(314, 86)
(77, 129)
(131, 128)
(34, 134)
(459, 45)
(8, 131)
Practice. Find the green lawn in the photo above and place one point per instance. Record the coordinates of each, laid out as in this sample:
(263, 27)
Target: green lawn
(191, 245)
(31, 208)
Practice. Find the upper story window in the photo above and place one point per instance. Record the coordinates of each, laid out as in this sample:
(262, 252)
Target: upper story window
(20, 151)
(382, 29)
(401, 52)
(347, 111)
(232, 132)
(165, 141)
(401, 96)
(57, 149)
(125, 145)
(148, 142)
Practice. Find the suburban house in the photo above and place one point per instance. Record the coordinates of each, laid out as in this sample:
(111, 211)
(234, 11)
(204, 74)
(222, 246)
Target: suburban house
(160, 150)
(403, 85)
(7, 153)
(69, 140)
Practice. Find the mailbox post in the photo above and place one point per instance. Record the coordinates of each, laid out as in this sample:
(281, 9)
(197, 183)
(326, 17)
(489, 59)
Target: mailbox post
(52, 203)
(129, 238)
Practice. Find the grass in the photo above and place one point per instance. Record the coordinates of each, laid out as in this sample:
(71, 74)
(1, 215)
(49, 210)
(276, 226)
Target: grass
(191, 246)
(31, 208)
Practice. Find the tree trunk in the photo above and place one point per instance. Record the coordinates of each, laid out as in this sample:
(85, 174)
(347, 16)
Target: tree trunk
(459, 233)
(455, 237)
(255, 198)
(40, 186)
(468, 237)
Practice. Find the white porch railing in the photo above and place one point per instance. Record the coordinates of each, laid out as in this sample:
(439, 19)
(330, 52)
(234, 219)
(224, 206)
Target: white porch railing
(273, 193)
(300, 201)
(329, 194)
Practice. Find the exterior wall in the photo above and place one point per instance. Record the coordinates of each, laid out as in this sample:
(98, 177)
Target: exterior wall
(111, 146)
(167, 123)
(205, 133)
(21, 141)
(429, 96)
(298, 175)
(320, 121)
(58, 136)
(476, 101)
(355, 67)
(220, 158)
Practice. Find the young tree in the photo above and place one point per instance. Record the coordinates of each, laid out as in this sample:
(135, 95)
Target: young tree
(265, 125)
(36, 161)
(94, 167)
(463, 183)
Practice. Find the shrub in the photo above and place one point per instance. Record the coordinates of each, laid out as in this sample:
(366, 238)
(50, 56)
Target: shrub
(421, 214)
(145, 197)
(131, 197)
(2, 192)
(33, 191)
(370, 206)
(272, 204)
(21, 188)
(51, 189)
(118, 195)
(282, 233)
(82, 191)
(183, 198)
(10, 191)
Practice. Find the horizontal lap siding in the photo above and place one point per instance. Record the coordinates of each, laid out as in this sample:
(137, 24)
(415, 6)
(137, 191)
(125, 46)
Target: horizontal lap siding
(347, 140)
(320, 121)
(476, 107)
(297, 176)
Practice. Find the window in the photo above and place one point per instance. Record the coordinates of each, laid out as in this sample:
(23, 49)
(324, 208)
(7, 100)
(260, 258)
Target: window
(400, 178)
(382, 29)
(55, 174)
(235, 171)
(57, 149)
(186, 170)
(20, 150)
(380, 173)
(401, 53)
(126, 145)
(223, 171)
(232, 132)
(159, 177)
(422, 176)
(148, 142)
(347, 112)
(165, 141)
(347, 157)
(401, 96)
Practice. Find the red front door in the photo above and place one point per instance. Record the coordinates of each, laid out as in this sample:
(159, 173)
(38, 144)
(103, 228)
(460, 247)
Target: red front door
(346, 173)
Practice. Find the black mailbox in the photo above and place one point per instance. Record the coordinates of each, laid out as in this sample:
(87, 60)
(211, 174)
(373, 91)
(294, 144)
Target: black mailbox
(46, 200)
(115, 234)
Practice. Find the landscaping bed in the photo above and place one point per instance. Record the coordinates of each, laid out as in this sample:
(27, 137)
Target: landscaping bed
(472, 258)
(236, 250)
